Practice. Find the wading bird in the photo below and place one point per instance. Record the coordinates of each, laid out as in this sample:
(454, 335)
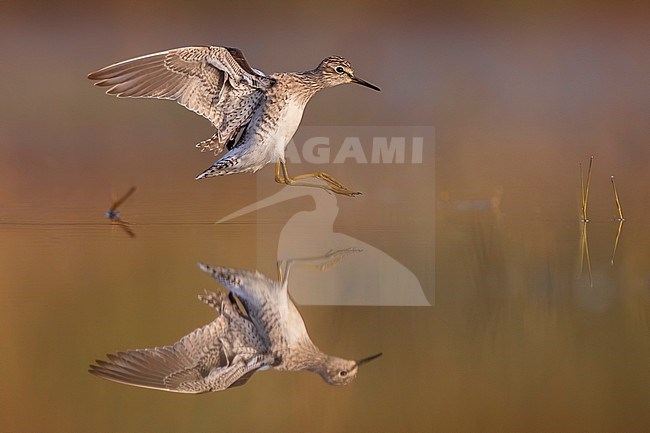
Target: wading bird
(255, 115)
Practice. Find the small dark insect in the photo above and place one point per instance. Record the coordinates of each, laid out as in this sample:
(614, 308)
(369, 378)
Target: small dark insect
(113, 214)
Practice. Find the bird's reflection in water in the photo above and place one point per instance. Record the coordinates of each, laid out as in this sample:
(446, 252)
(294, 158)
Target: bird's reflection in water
(257, 327)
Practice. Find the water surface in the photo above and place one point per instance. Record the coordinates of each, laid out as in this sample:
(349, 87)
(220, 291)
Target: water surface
(521, 333)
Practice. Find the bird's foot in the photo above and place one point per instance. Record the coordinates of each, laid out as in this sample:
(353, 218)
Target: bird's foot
(327, 187)
(344, 191)
(331, 185)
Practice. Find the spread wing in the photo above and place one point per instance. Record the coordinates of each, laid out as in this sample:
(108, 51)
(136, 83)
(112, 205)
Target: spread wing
(221, 355)
(215, 82)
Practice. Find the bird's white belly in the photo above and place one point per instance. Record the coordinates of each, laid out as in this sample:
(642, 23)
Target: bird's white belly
(293, 324)
(287, 125)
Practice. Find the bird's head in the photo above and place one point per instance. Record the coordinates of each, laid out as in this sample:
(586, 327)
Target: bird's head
(336, 70)
(338, 371)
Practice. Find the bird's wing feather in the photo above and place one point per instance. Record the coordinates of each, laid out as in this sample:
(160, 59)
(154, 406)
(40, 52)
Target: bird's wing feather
(215, 82)
(224, 353)
(252, 288)
(263, 299)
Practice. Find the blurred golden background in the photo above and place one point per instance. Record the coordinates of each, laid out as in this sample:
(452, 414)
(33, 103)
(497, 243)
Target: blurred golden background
(517, 339)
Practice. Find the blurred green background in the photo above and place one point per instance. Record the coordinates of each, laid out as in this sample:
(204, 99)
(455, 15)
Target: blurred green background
(517, 340)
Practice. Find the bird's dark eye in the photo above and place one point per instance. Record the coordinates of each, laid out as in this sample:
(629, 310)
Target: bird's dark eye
(343, 373)
(339, 69)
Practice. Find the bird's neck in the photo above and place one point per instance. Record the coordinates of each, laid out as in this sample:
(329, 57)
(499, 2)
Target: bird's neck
(309, 83)
(307, 357)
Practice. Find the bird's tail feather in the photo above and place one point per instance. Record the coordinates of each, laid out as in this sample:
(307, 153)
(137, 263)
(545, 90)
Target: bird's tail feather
(220, 168)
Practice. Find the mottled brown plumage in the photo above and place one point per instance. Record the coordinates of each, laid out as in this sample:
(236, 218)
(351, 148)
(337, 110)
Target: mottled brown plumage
(269, 333)
(220, 355)
(255, 116)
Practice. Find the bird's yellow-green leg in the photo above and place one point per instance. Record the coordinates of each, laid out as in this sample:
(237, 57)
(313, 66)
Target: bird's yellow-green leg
(280, 273)
(282, 176)
(320, 175)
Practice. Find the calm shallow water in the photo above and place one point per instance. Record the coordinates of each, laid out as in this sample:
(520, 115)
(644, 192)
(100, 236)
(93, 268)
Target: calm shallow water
(519, 335)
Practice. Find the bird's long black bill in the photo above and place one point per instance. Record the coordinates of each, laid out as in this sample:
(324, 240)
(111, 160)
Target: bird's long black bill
(368, 359)
(365, 83)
